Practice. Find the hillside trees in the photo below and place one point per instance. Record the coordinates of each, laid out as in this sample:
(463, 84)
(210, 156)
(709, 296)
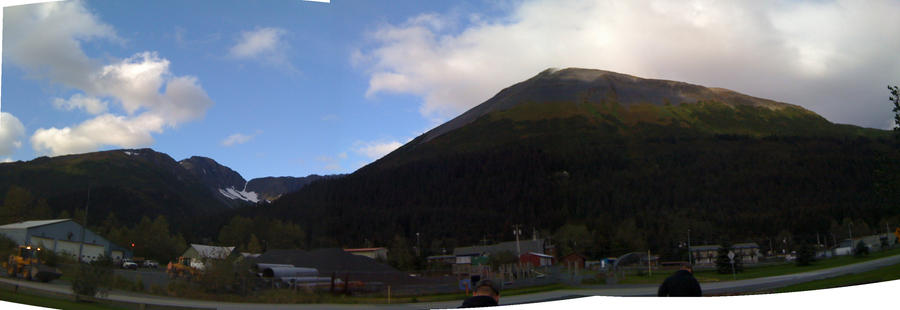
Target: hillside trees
(20, 205)
(152, 239)
(260, 233)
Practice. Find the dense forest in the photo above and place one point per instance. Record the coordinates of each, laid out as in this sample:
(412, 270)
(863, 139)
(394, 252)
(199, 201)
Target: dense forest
(605, 194)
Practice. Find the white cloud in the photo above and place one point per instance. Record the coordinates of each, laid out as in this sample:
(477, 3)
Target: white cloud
(266, 45)
(91, 105)
(11, 133)
(45, 39)
(142, 84)
(376, 149)
(834, 57)
(238, 138)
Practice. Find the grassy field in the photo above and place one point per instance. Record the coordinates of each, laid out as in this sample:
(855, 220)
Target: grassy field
(50, 302)
(759, 272)
(878, 275)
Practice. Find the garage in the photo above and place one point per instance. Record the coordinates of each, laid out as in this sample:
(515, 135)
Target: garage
(92, 251)
(44, 243)
(116, 255)
(64, 237)
(68, 247)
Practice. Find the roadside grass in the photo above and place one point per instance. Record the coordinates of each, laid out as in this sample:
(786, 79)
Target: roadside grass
(288, 296)
(50, 302)
(761, 271)
(888, 273)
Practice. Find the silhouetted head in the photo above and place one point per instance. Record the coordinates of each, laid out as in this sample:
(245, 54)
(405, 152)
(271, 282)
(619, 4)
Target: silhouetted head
(687, 267)
(487, 288)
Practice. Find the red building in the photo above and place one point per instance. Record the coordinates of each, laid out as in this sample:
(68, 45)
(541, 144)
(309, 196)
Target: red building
(574, 259)
(536, 259)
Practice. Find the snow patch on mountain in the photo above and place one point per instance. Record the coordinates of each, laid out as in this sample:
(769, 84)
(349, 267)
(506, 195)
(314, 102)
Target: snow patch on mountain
(231, 193)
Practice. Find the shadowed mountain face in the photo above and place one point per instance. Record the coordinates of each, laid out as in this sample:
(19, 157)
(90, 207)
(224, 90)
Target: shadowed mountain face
(212, 173)
(270, 188)
(636, 161)
(127, 183)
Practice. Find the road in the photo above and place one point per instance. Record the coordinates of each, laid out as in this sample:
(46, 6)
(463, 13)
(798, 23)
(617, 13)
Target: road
(749, 285)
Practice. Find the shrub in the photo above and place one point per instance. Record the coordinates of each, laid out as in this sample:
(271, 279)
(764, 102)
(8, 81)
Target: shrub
(806, 255)
(92, 279)
(861, 249)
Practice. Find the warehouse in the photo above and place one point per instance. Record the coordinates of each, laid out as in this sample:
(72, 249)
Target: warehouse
(63, 236)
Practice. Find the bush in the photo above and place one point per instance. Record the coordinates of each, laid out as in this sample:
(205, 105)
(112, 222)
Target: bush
(92, 279)
(138, 283)
(861, 249)
(806, 255)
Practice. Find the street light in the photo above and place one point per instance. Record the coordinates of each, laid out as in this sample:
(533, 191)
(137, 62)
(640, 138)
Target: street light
(417, 244)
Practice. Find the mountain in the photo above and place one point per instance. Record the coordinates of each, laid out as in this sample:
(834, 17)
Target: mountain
(229, 184)
(129, 184)
(271, 188)
(613, 163)
(134, 183)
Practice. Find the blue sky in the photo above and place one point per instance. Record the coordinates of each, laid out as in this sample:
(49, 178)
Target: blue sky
(272, 88)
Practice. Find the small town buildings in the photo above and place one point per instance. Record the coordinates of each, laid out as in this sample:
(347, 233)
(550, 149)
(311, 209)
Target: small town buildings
(63, 236)
(471, 259)
(573, 259)
(748, 253)
(704, 254)
(441, 259)
(336, 262)
(200, 254)
(373, 253)
(536, 259)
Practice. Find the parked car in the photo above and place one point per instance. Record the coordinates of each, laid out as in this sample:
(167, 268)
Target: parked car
(151, 264)
(129, 264)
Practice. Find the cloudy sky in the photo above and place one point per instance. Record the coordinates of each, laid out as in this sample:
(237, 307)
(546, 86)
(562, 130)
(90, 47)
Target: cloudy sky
(275, 88)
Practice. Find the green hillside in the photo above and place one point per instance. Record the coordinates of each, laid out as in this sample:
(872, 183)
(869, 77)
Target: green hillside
(634, 173)
(129, 184)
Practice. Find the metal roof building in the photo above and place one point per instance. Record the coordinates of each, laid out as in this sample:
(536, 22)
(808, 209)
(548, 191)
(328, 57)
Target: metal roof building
(526, 246)
(63, 236)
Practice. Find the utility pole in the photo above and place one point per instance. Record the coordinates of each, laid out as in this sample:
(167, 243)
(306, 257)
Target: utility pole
(86, 206)
(690, 249)
(517, 232)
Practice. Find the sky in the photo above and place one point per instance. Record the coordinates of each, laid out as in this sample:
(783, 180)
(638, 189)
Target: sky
(292, 88)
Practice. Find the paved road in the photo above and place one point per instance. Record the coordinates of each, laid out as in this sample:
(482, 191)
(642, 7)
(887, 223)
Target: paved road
(609, 290)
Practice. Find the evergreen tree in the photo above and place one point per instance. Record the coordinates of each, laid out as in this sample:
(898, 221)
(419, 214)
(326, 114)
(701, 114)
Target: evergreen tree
(806, 254)
(253, 245)
(861, 249)
(723, 263)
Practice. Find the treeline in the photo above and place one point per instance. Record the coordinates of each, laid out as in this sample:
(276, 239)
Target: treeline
(611, 194)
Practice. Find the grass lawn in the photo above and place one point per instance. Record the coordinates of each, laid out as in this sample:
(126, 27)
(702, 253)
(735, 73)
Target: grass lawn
(878, 275)
(764, 271)
(49, 302)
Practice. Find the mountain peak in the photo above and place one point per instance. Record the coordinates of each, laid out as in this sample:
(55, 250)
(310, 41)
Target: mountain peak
(578, 85)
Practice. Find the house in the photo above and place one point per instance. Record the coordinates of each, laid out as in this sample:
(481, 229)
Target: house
(536, 259)
(201, 254)
(63, 236)
(573, 259)
(373, 253)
